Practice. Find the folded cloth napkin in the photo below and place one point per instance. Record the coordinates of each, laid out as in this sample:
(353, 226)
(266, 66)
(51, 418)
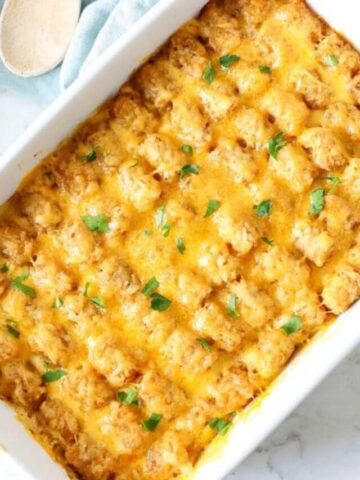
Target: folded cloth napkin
(101, 22)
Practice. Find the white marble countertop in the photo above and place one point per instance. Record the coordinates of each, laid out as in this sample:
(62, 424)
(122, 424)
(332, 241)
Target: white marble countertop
(319, 441)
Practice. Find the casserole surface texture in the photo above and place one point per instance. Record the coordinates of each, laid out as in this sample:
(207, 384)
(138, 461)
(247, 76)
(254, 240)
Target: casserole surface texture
(160, 268)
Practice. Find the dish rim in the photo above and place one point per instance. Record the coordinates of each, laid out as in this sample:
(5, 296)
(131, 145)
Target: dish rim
(261, 418)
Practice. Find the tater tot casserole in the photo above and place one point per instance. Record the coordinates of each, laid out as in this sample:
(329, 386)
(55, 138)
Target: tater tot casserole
(161, 267)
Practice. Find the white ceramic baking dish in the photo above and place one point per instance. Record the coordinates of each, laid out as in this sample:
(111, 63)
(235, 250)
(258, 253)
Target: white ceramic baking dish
(100, 82)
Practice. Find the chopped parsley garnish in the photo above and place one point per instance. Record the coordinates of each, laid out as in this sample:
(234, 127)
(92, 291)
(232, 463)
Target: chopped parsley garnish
(264, 208)
(209, 74)
(97, 301)
(11, 327)
(165, 230)
(180, 245)
(86, 289)
(160, 216)
(231, 306)
(332, 60)
(220, 425)
(147, 232)
(159, 302)
(136, 162)
(334, 180)
(189, 169)
(212, 207)
(53, 375)
(91, 156)
(4, 268)
(161, 223)
(57, 303)
(150, 287)
(187, 149)
(18, 284)
(151, 423)
(276, 143)
(12, 331)
(317, 201)
(128, 397)
(204, 343)
(269, 242)
(227, 60)
(292, 325)
(96, 223)
(265, 69)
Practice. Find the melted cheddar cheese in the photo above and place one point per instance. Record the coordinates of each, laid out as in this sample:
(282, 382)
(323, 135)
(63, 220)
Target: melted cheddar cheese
(160, 268)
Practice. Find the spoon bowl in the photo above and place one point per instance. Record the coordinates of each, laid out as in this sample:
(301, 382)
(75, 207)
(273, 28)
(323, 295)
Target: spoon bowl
(35, 34)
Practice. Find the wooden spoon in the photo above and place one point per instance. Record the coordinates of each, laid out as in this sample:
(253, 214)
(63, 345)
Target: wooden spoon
(35, 34)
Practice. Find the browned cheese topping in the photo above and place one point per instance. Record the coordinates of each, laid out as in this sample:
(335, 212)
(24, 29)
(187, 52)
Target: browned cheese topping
(160, 268)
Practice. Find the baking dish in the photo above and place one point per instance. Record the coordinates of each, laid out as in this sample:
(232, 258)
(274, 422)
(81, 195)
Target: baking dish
(73, 107)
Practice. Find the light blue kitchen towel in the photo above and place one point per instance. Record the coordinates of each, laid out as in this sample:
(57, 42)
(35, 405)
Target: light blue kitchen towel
(101, 22)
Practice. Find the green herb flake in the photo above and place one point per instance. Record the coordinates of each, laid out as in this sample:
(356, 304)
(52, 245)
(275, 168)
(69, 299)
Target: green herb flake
(180, 245)
(189, 169)
(188, 149)
(317, 201)
(292, 325)
(209, 74)
(53, 375)
(98, 302)
(150, 287)
(220, 425)
(96, 223)
(205, 344)
(269, 242)
(18, 284)
(331, 60)
(265, 70)
(128, 397)
(12, 330)
(165, 230)
(4, 268)
(212, 207)
(227, 60)
(58, 302)
(160, 216)
(86, 289)
(231, 307)
(161, 223)
(90, 157)
(159, 303)
(276, 143)
(334, 180)
(151, 423)
(264, 208)
(136, 161)
(147, 232)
